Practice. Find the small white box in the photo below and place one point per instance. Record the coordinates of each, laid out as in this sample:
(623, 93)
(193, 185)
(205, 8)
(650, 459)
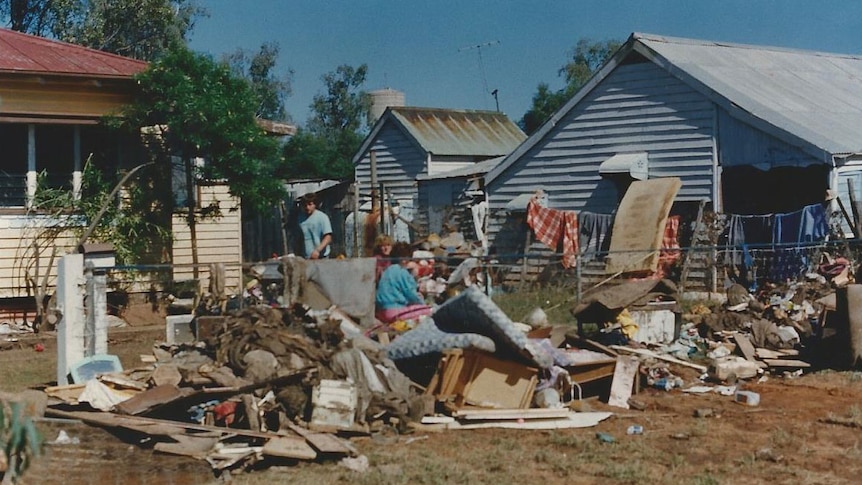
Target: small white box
(655, 326)
(334, 403)
(179, 329)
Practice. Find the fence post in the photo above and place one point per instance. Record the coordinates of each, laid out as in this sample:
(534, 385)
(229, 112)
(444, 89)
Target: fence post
(579, 285)
(70, 305)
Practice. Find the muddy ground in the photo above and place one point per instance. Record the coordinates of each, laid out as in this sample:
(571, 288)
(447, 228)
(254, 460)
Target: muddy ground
(805, 430)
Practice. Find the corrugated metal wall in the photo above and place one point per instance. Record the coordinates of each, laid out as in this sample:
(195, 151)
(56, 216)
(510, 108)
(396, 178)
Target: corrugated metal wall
(638, 107)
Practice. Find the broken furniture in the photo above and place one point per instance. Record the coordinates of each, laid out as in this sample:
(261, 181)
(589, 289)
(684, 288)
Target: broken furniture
(476, 378)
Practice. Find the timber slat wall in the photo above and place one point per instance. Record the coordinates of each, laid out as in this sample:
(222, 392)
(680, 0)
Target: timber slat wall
(638, 107)
(399, 161)
(219, 240)
(17, 233)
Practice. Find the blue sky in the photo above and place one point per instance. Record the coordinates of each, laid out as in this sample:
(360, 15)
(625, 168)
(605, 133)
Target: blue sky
(423, 48)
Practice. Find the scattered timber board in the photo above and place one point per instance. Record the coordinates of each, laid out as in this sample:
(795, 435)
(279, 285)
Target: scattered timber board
(573, 420)
(624, 377)
(193, 446)
(649, 353)
(583, 373)
(775, 354)
(112, 420)
(743, 343)
(787, 363)
(497, 414)
(289, 447)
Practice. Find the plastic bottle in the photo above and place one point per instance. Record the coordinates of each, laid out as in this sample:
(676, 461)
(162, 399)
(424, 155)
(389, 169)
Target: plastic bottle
(635, 429)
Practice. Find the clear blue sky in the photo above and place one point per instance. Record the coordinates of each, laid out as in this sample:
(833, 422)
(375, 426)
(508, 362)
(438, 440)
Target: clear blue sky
(422, 47)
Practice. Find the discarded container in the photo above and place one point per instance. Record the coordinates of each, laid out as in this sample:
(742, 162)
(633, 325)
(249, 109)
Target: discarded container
(668, 383)
(334, 403)
(548, 398)
(635, 429)
(749, 398)
(723, 368)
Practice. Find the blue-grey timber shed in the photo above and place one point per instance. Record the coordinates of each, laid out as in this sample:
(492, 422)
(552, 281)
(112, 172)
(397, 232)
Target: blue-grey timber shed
(413, 141)
(749, 129)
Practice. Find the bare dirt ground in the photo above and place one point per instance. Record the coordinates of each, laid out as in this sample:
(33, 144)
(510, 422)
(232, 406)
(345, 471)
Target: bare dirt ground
(806, 430)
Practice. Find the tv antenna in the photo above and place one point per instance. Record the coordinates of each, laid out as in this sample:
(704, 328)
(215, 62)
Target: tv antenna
(478, 48)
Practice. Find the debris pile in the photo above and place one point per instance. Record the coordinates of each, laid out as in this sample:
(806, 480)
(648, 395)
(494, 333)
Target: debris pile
(266, 385)
(271, 385)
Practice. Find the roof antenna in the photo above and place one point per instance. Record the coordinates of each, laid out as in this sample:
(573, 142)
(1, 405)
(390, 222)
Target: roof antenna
(478, 48)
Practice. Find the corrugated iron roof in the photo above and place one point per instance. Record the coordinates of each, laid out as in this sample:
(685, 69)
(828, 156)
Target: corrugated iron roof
(26, 53)
(460, 132)
(814, 95)
(807, 98)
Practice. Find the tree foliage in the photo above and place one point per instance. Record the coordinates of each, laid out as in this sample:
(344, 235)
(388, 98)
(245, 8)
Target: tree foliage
(257, 69)
(585, 59)
(31, 16)
(197, 108)
(142, 29)
(335, 129)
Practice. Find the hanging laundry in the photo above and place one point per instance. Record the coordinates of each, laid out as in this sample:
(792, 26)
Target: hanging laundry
(551, 226)
(595, 230)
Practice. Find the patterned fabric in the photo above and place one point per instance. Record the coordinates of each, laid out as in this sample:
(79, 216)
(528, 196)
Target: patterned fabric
(670, 252)
(551, 225)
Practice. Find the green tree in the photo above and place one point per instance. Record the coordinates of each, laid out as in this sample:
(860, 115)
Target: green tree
(335, 129)
(31, 16)
(257, 69)
(192, 107)
(585, 59)
(142, 29)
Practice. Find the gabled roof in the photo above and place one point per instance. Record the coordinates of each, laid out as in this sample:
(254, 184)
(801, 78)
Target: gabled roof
(24, 53)
(450, 132)
(806, 98)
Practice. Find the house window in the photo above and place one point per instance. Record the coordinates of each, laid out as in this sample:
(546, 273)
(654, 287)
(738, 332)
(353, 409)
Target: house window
(55, 149)
(13, 165)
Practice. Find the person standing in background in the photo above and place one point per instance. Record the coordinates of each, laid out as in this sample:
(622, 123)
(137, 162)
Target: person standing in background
(316, 229)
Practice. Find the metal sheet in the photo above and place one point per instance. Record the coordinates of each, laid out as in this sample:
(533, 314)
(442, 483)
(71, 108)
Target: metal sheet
(28, 53)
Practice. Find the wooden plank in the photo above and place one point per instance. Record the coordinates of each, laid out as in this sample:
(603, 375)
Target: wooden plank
(289, 447)
(666, 358)
(151, 398)
(499, 414)
(111, 420)
(743, 343)
(788, 363)
(624, 377)
(327, 443)
(193, 446)
(591, 372)
(573, 420)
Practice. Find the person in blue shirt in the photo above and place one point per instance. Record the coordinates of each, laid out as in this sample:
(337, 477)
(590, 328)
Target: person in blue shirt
(398, 295)
(316, 229)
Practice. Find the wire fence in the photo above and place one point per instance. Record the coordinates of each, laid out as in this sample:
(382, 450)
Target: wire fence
(692, 269)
